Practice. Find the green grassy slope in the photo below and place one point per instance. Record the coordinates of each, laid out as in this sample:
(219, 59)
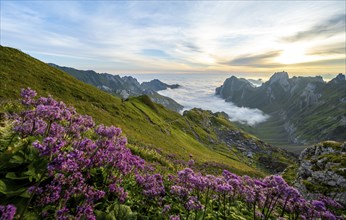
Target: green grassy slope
(273, 132)
(145, 123)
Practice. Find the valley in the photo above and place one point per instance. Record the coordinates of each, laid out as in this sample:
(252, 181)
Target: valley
(303, 110)
(172, 110)
(145, 123)
(157, 139)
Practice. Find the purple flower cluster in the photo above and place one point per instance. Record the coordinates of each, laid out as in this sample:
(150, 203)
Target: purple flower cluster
(76, 151)
(7, 212)
(88, 164)
(152, 185)
(269, 196)
(193, 204)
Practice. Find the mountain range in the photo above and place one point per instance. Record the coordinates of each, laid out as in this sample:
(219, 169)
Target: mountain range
(303, 110)
(153, 131)
(164, 139)
(125, 86)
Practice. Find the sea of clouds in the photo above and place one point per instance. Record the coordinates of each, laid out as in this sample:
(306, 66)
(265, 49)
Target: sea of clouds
(198, 91)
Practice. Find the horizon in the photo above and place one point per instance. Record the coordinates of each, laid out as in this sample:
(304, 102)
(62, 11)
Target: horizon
(302, 38)
(253, 76)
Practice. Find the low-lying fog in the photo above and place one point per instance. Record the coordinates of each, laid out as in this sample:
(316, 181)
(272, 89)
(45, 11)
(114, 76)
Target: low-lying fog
(198, 91)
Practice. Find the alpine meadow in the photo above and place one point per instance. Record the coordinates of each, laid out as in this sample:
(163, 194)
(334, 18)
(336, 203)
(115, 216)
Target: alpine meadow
(172, 110)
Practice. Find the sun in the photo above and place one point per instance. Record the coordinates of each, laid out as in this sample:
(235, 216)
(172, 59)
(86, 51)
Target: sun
(206, 59)
(292, 54)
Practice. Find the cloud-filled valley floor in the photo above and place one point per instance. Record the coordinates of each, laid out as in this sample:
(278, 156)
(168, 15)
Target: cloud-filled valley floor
(198, 91)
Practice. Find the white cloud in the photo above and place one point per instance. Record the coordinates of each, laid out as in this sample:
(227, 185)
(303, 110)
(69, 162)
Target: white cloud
(198, 36)
(199, 92)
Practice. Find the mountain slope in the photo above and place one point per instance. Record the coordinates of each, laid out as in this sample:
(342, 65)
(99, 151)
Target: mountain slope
(123, 87)
(303, 110)
(145, 123)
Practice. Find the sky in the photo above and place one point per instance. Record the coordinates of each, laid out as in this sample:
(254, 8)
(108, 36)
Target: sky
(300, 37)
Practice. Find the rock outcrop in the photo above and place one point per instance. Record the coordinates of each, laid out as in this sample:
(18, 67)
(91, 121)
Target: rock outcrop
(322, 170)
(157, 85)
(234, 89)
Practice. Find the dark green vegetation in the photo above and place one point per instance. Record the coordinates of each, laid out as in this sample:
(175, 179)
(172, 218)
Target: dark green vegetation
(303, 110)
(124, 87)
(160, 133)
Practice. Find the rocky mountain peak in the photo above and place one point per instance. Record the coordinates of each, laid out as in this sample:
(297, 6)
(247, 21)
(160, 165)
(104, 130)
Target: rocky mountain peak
(339, 78)
(237, 82)
(279, 77)
(157, 85)
(282, 79)
(232, 86)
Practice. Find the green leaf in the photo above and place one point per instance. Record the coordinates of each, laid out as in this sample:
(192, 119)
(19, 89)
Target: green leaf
(10, 188)
(17, 159)
(25, 194)
(31, 216)
(104, 216)
(121, 212)
(31, 173)
(2, 187)
(13, 176)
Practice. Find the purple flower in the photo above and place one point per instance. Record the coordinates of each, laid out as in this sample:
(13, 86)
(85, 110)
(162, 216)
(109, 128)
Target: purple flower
(62, 214)
(119, 191)
(85, 212)
(27, 96)
(108, 132)
(87, 163)
(165, 209)
(330, 202)
(152, 185)
(259, 215)
(174, 217)
(180, 191)
(224, 188)
(7, 212)
(193, 204)
(318, 205)
(328, 215)
(228, 175)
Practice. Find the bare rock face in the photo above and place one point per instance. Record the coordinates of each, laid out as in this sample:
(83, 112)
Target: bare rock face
(233, 88)
(322, 170)
(340, 78)
(282, 79)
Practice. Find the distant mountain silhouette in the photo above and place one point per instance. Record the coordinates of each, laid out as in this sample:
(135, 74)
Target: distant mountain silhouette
(125, 86)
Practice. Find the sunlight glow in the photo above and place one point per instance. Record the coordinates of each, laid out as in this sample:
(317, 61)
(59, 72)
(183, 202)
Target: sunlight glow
(189, 36)
(292, 54)
(206, 59)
